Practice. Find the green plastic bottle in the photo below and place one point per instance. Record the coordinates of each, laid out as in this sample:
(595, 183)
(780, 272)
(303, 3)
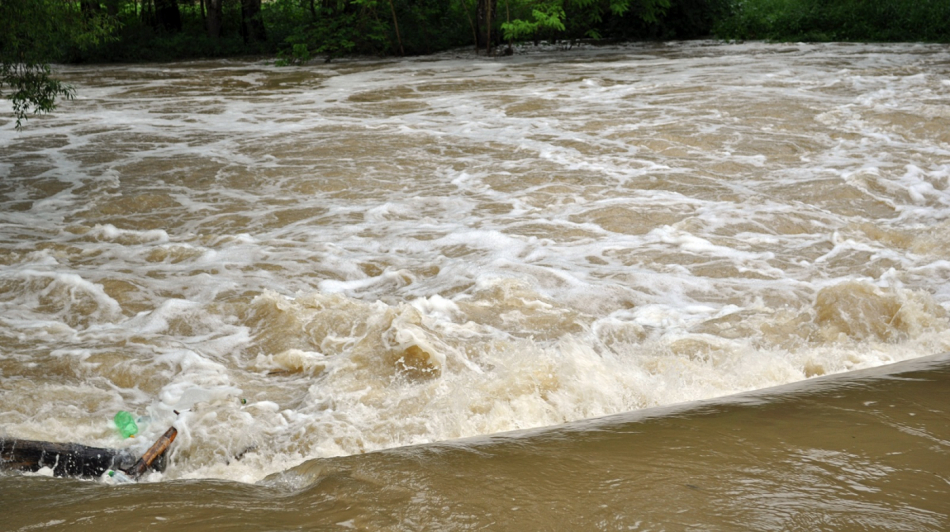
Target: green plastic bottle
(126, 424)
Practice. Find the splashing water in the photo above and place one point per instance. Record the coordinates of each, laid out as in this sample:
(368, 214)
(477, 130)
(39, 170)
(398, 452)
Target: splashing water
(336, 259)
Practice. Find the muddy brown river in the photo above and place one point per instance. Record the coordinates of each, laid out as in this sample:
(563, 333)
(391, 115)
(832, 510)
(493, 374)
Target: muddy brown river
(551, 291)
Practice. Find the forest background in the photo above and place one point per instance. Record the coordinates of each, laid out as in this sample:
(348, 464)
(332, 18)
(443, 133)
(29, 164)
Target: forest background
(35, 33)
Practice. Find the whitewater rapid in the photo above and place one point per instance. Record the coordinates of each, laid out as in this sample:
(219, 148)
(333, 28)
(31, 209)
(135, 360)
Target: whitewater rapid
(339, 258)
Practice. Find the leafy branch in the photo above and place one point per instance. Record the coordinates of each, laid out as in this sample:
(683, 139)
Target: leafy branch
(34, 33)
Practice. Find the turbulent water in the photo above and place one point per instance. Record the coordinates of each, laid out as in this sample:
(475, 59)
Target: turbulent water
(292, 265)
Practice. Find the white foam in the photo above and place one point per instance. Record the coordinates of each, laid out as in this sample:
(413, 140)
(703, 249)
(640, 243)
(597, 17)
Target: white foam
(110, 232)
(397, 252)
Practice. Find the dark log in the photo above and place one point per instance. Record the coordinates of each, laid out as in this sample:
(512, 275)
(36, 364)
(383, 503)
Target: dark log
(65, 459)
(75, 460)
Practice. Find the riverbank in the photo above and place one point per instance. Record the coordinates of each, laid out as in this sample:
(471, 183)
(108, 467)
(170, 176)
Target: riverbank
(295, 31)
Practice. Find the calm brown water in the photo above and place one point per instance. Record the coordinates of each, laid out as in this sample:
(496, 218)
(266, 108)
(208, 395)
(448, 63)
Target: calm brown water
(346, 277)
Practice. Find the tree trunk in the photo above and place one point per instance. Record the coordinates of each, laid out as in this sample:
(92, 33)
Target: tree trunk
(90, 7)
(148, 12)
(509, 50)
(214, 21)
(392, 8)
(167, 15)
(471, 23)
(112, 7)
(252, 25)
(484, 12)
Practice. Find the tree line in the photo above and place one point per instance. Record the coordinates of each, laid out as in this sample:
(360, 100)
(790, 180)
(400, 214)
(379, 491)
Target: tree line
(34, 33)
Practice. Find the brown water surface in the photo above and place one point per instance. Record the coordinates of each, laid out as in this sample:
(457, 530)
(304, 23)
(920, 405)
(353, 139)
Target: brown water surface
(338, 281)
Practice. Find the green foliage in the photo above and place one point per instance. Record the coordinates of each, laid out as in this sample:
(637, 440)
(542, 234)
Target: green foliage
(283, 18)
(368, 27)
(34, 33)
(33, 90)
(141, 40)
(837, 20)
(428, 26)
(683, 19)
(354, 26)
(546, 17)
(574, 19)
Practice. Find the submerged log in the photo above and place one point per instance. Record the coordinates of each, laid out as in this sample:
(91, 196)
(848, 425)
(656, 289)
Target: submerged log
(75, 460)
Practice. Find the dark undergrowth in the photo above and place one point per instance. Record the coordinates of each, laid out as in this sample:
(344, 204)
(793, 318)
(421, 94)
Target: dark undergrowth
(296, 33)
(837, 20)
